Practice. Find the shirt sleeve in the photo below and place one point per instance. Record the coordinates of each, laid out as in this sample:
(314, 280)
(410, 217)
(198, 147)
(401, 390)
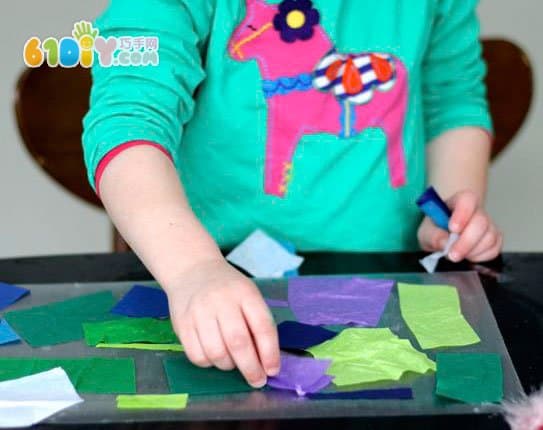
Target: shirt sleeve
(149, 103)
(454, 92)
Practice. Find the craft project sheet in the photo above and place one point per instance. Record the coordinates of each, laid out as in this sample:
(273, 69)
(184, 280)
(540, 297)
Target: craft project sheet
(151, 378)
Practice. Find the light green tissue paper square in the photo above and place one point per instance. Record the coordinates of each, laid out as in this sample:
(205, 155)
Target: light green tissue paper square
(364, 355)
(434, 315)
(153, 401)
(130, 330)
(172, 347)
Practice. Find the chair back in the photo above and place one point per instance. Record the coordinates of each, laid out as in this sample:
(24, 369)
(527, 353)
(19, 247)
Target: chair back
(50, 104)
(509, 98)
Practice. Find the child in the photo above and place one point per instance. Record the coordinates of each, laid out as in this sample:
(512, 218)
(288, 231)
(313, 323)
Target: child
(319, 121)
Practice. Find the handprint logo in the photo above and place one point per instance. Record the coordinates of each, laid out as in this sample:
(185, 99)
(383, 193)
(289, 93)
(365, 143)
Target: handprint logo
(85, 34)
(86, 45)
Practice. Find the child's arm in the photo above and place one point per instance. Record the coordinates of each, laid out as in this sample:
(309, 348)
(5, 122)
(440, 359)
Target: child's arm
(457, 167)
(216, 311)
(457, 127)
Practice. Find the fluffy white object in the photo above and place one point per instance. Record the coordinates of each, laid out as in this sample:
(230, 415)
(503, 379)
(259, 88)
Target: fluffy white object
(526, 414)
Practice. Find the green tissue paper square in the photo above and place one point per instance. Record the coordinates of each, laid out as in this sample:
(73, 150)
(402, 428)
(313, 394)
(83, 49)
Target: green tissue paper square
(61, 322)
(470, 377)
(88, 375)
(184, 377)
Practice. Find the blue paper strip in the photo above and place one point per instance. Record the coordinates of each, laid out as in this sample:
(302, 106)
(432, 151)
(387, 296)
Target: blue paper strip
(289, 246)
(9, 294)
(435, 208)
(297, 336)
(292, 273)
(388, 394)
(7, 335)
(143, 302)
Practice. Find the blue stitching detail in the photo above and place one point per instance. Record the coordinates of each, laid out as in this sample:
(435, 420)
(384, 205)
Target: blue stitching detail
(287, 85)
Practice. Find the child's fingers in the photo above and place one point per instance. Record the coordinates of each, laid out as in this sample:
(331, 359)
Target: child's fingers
(491, 253)
(191, 344)
(487, 242)
(464, 205)
(212, 342)
(240, 346)
(264, 334)
(470, 237)
(431, 238)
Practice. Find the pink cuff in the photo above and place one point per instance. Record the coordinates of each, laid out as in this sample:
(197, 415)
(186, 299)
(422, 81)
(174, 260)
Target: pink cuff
(116, 151)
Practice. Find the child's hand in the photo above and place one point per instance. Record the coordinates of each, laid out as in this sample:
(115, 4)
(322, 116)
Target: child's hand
(479, 240)
(223, 321)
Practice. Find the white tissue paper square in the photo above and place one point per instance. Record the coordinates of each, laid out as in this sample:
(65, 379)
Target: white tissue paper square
(30, 400)
(263, 257)
(430, 262)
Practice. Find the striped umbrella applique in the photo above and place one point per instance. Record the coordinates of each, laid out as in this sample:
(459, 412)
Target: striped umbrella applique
(353, 78)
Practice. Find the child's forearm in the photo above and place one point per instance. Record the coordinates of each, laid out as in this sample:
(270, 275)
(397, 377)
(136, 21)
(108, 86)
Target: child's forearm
(142, 193)
(458, 168)
(458, 161)
(218, 314)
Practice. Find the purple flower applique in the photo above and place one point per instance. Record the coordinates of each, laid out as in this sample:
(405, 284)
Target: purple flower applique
(296, 20)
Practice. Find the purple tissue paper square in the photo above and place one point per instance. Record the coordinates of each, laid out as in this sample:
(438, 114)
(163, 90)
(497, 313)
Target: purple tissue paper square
(9, 294)
(301, 374)
(333, 300)
(143, 302)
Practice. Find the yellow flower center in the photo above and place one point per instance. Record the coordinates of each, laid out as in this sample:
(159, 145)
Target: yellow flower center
(295, 19)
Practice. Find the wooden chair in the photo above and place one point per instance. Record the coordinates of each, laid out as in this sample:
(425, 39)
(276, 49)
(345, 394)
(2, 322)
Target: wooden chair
(509, 100)
(50, 104)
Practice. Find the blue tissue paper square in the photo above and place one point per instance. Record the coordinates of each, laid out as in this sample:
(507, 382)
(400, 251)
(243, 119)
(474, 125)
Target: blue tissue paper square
(143, 302)
(7, 335)
(9, 294)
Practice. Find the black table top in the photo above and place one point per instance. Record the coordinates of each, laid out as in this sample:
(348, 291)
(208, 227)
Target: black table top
(517, 302)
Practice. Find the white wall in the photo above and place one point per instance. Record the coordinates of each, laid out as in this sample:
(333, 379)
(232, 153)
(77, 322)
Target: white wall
(516, 192)
(38, 217)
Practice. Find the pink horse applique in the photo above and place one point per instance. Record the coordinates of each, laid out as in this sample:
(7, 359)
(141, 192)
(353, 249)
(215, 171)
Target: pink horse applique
(311, 88)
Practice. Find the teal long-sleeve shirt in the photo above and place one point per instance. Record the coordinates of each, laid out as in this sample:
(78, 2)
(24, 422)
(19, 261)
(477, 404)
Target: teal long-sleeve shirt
(309, 120)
